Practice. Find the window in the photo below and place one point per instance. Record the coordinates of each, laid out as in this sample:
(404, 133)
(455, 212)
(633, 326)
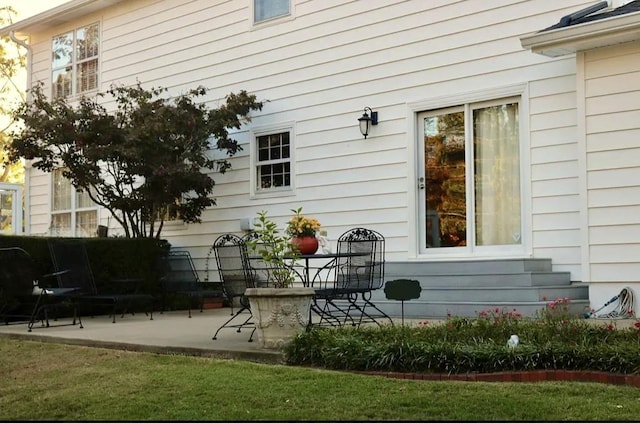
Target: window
(169, 213)
(73, 213)
(74, 61)
(268, 9)
(273, 161)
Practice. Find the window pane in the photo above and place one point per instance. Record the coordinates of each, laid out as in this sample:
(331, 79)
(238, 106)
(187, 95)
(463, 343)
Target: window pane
(87, 42)
(6, 210)
(83, 200)
(497, 175)
(61, 191)
(267, 9)
(86, 223)
(264, 176)
(87, 76)
(444, 151)
(61, 224)
(61, 82)
(61, 49)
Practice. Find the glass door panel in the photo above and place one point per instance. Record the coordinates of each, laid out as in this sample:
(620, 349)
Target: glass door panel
(445, 181)
(496, 175)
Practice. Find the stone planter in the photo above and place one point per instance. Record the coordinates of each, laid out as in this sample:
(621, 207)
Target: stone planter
(279, 313)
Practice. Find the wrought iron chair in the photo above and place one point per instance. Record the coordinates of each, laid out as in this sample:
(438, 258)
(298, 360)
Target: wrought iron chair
(71, 261)
(359, 272)
(236, 276)
(24, 293)
(180, 278)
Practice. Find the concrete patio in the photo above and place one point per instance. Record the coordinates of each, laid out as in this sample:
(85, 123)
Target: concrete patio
(170, 332)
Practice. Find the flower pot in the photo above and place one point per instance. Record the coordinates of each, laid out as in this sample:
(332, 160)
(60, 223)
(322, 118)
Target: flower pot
(306, 244)
(209, 303)
(279, 313)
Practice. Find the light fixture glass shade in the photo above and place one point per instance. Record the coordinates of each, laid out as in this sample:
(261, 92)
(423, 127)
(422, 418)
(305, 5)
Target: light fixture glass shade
(365, 123)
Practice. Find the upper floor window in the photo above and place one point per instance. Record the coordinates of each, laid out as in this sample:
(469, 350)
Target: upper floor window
(268, 9)
(73, 213)
(74, 61)
(273, 161)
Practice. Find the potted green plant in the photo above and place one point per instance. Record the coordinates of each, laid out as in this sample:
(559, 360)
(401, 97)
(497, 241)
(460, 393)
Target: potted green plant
(282, 309)
(303, 230)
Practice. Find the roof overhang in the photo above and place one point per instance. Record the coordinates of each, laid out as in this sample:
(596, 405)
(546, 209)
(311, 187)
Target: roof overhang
(62, 14)
(585, 36)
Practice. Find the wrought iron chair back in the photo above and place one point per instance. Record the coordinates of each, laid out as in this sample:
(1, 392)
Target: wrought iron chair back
(261, 271)
(181, 278)
(71, 261)
(236, 276)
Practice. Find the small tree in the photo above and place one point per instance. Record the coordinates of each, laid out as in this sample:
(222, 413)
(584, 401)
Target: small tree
(147, 156)
(276, 250)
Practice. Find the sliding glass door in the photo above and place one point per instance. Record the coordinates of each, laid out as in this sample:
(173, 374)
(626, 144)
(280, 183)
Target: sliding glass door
(469, 178)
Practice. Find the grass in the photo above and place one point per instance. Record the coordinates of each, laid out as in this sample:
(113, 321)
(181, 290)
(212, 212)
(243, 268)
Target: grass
(45, 381)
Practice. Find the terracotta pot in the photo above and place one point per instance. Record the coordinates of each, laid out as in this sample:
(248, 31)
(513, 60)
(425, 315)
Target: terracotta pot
(306, 244)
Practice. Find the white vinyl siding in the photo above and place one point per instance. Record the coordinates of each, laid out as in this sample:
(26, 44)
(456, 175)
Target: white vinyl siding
(612, 108)
(320, 70)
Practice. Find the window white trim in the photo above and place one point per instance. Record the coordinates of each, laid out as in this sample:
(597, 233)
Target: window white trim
(256, 132)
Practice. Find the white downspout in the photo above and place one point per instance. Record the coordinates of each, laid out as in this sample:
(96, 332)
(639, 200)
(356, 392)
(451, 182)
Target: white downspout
(27, 166)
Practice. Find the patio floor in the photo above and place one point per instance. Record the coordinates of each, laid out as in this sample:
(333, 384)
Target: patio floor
(169, 332)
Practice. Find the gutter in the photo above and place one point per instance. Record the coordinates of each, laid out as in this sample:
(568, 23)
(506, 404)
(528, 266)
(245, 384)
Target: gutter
(571, 39)
(27, 167)
(27, 47)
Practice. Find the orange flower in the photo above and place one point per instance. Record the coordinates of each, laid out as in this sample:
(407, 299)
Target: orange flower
(300, 225)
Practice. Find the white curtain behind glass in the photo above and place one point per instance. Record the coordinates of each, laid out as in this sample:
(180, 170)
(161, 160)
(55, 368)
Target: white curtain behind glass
(497, 175)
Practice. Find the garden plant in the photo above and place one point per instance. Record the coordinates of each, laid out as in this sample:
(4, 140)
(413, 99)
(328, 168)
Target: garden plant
(553, 339)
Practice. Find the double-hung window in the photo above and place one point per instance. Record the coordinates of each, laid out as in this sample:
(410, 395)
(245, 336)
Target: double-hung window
(74, 61)
(73, 212)
(264, 10)
(273, 162)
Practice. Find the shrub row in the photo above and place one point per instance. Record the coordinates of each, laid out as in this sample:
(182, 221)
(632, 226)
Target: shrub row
(471, 345)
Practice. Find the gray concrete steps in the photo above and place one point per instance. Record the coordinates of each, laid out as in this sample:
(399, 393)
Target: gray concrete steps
(524, 279)
(466, 287)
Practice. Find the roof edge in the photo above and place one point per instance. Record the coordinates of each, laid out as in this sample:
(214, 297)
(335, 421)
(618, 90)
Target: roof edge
(68, 9)
(571, 39)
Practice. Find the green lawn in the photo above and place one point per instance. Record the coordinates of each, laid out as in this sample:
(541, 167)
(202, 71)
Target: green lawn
(45, 381)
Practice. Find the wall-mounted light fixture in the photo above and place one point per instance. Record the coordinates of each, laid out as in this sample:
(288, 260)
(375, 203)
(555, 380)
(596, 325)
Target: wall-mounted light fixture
(367, 121)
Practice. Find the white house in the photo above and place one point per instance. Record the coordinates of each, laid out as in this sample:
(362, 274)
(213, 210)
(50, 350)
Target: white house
(504, 169)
